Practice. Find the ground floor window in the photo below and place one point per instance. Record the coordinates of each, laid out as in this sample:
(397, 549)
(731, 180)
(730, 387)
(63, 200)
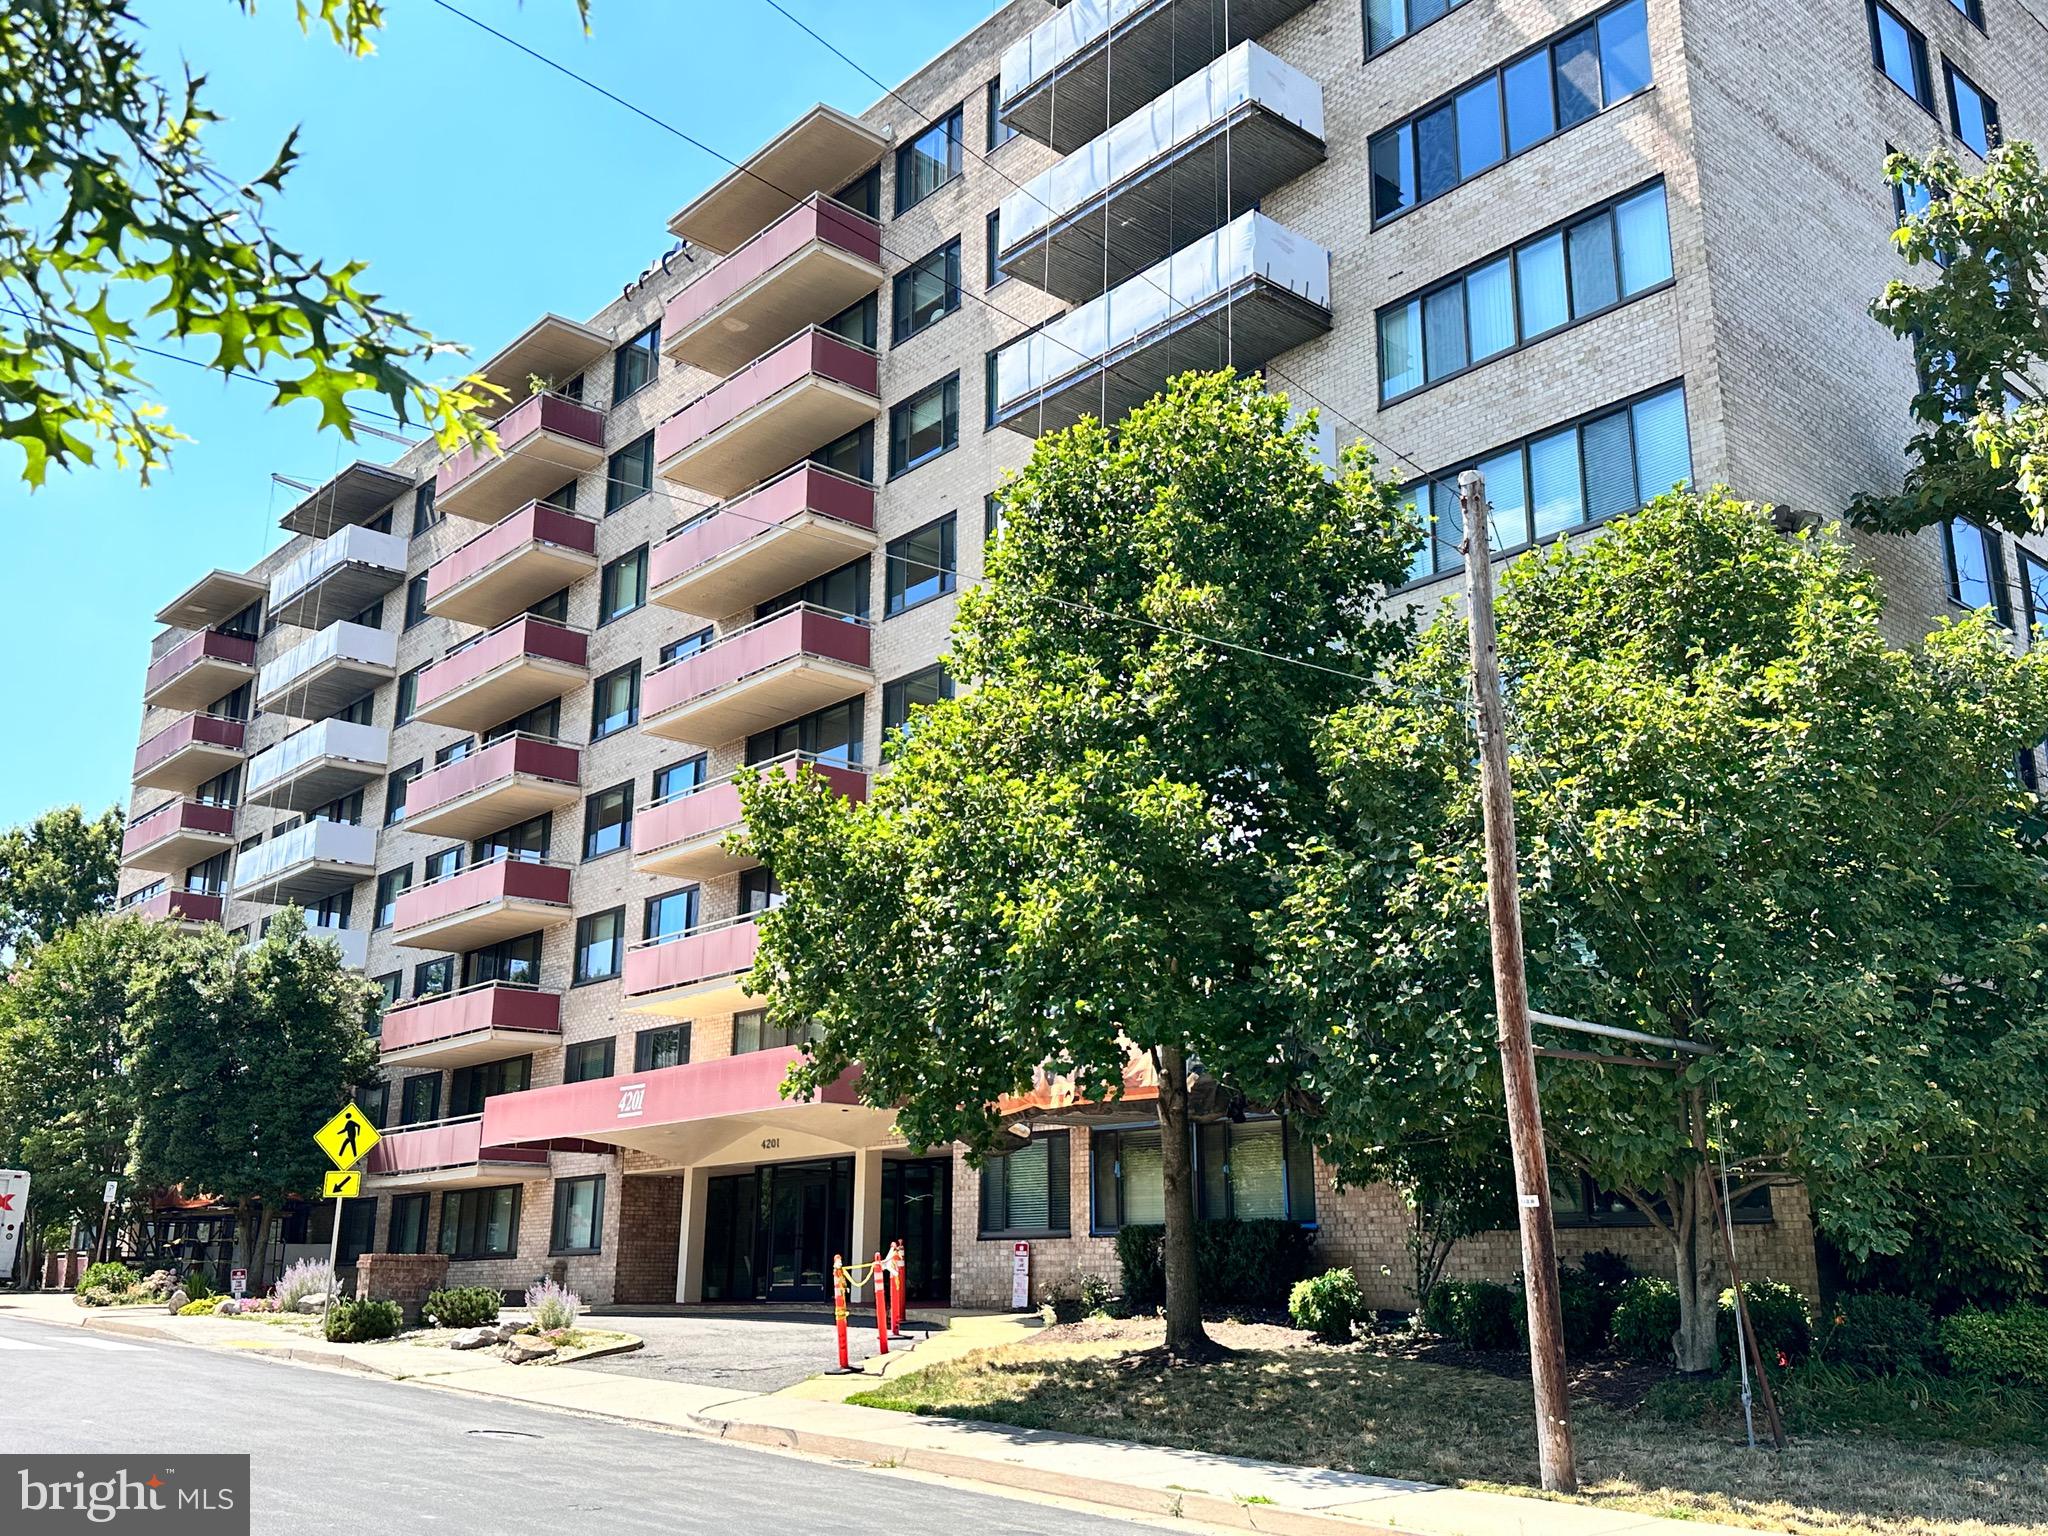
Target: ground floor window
(480, 1223)
(579, 1215)
(358, 1230)
(1257, 1170)
(408, 1232)
(1579, 1202)
(1027, 1192)
(668, 1046)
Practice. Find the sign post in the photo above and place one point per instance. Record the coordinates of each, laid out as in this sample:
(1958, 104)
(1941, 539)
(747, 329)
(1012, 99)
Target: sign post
(238, 1283)
(13, 1218)
(347, 1140)
(106, 1218)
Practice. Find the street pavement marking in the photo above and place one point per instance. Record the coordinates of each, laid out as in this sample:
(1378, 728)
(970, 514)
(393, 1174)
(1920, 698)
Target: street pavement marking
(84, 1343)
(7, 1343)
(66, 1341)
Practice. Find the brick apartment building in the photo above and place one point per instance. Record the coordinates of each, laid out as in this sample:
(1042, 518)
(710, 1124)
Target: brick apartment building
(478, 714)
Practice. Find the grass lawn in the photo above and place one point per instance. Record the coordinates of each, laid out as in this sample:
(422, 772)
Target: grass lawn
(1360, 1410)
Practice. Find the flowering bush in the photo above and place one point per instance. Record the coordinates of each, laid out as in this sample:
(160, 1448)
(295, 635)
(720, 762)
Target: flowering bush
(159, 1283)
(308, 1277)
(553, 1306)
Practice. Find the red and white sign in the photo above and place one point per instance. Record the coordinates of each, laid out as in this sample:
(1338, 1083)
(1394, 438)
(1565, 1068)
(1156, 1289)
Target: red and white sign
(1020, 1277)
(238, 1283)
(13, 1213)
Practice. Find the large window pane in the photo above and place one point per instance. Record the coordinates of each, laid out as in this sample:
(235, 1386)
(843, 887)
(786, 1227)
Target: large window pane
(1144, 1177)
(1436, 153)
(1393, 171)
(1258, 1178)
(1577, 60)
(1556, 498)
(1443, 330)
(1645, 233)
(1401, 350)
(1385, 22)
(1532, 114)
(1624, 51)
(1595, 277)
(1479, 131)
(1507, 493)
(1610, 467)
(1539, 270)
(1663, 446)
(1490, 310)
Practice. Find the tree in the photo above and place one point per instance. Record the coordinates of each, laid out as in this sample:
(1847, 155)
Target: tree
(1746, 821)
(1979, 329)
(54, 871)
(239, 1056)
(110, 203)
(1062, 866)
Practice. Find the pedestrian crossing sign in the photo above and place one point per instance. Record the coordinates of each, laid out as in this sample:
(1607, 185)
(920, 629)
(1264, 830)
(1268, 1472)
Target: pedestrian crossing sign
(342, 1185)
(347, 1138)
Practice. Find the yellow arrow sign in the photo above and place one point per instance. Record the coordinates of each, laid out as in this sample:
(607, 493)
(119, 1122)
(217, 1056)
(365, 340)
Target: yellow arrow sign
(348, 1137)
(342, 1186)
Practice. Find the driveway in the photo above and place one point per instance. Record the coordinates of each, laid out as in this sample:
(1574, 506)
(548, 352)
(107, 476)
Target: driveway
(757, 1349)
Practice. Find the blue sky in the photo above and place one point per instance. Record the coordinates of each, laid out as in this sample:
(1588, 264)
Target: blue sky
(482, 188)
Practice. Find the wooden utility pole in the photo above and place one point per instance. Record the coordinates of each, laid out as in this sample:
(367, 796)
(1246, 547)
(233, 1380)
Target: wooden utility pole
(1559, 1463)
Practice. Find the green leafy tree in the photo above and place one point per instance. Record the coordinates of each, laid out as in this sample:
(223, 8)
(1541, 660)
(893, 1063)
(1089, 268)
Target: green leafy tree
(1976, 313)
(1060, 870)
(1746, 820)
(239, 1056)
(54, 871)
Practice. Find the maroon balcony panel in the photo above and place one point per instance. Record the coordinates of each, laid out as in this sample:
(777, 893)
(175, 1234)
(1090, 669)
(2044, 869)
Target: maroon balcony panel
(480, 885)
(816, 218)
(695, 957)
(804, 354)
(194, 649)
(500, 760)
(522, 637)
(716, 807)
(536, 522)
(799, 632)
(454, 1144)
(192, 906)
(536, 413)
(807, 488)
(427, 1019)
(195, 729)
(174, 817)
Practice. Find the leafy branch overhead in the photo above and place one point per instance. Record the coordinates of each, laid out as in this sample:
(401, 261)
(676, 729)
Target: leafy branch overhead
(117, 230)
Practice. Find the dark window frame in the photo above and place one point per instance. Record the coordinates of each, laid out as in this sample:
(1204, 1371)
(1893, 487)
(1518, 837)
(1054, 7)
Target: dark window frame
(461, 1199)
(896, 599)
(579, 945)
(1921, 93)
(948, 390)
(608, 573)
(952, 128)
(562, 1188)
(624, 825)
(641, 349)
(1993, 131)
(902, 297)
(1060, 1152)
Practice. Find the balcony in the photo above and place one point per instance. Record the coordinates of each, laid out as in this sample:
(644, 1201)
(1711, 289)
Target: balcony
(486, 1022)
(189, 751)
(1065, 61)
(323, 675)
(449, 1154)
(483, 904)
(512, 565)
(1196, 158)
(352, 944)
(487, 680)
(544, 440)
(774, 538)
(693, 974)
(552, 348)
(213, 599)
(820, 152)
(316, 859)
(199, 669)
(357, 495)
(1243, 295)
(177, 835)
(317, 764)
(341, 575)
(773, 670)
(188, 909)
(686, 834)
(801, 270)
(504, 783)
(780, 408)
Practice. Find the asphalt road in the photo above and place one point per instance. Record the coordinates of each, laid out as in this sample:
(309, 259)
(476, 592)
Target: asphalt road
(342, 1455)
(756, 1350)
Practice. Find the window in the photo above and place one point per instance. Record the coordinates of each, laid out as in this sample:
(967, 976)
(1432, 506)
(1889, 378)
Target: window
(925, 292)
(852, 455)
(1028, 1190)
(991, 515)
(1555, 279)
(608, 821)
(921, 566)
(689, 645)
(1900, 53)
(587, 1061)
(1974, 9)
(440, 864)
(991, 386)
(615, 701)
(358, 713)
(1972, 114)
(752, 1032)
(924, 426)
(579, 1215)
(1557, 86)
(928, 162)
(2034, 588)
(919, 689)
(857, 322)
(416, 601)
(1260, 1169)
(430, 978)
(667, 1046)
(1910, 199)
(679, 778)
(408, 1229)
(390, 886)
(358, 1234)
(480, 1223)
(634, 363)
(424, 515)
(1000, 132)
(993, 248)
(668, 915)
(389, 985)
(554, 608)
(1388, 21)
(843, 591)
(525, 842)
(419, 1099)
(408, 694)
(760, 891)
(543, 720)
(1564, 479)
(1579, 1202)
(565, 498)
(454, 751)
(516, 962)
(622, 586)
(374, 1100)
(600, 945)
(630, 474)
(863, 194)
(831, 735)
(1976, 572)
(468, 1087)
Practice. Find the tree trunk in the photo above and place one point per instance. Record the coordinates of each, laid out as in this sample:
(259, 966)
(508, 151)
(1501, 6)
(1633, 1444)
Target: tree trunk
(259, 1277)
(1698, 1270)
(248, 1242)
(1185, 1337)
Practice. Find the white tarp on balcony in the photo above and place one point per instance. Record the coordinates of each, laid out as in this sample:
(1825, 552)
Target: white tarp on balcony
(354, 544)
(1247, 73)
(311, 842)
(1059, 37)
(1251, 245)
(342, 641)
(368, 744)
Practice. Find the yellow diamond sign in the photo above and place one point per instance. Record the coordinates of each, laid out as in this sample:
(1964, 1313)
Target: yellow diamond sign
(348, 1137)
(342, 1186)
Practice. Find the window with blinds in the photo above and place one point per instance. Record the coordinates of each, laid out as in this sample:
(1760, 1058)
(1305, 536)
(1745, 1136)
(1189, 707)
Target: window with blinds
(1026, 1192)
(1259, 1170)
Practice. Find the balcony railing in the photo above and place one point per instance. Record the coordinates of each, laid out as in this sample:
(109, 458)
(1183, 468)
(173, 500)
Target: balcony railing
(187, 908)
(198, 670)
(483, 904)
(772, 670)
(448, 1154)
(488, 1021)
(780, 408)
(317, 764)
(328, 671)
(502, 784)
(188, 752)
(686, 833)
(177, 835)
(542, 441)
(523, 663)
(530, 555)
(806, 521)
(315, 859)
(341, 575)
(696, 972)
(803, 269)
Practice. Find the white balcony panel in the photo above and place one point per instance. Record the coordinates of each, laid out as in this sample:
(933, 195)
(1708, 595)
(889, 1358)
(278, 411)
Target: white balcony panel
(332, 744)
(337, 846)
(355, 656)
(378, 562)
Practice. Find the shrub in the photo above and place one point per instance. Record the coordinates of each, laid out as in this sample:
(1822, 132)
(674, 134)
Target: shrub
(1477, 1314)
(206, 1306)
(463, 1306)
(1439, 1308)
(1882, 1335)
(2009, 1346)
(1778, 1312)
(1646, 1320)
(353, 1322)
(198, 1287)
(96, 1296)
(553, 1306)
(1096, 1295)
(1327, 1305)
(112, 1277)
(308, 1277)
(1237, 1263)
(1142, 1263)
(1587, 1307)
(1065, 1305)
(1608, 1269)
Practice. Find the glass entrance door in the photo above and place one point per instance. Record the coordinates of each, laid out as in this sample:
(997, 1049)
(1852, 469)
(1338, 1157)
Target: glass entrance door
(917, 1206)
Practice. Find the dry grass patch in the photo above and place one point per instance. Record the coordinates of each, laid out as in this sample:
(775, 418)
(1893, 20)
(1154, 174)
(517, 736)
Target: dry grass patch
(1361, 1411)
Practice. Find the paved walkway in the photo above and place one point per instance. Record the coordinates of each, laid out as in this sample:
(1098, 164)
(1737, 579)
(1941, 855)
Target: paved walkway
(751, 1349)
